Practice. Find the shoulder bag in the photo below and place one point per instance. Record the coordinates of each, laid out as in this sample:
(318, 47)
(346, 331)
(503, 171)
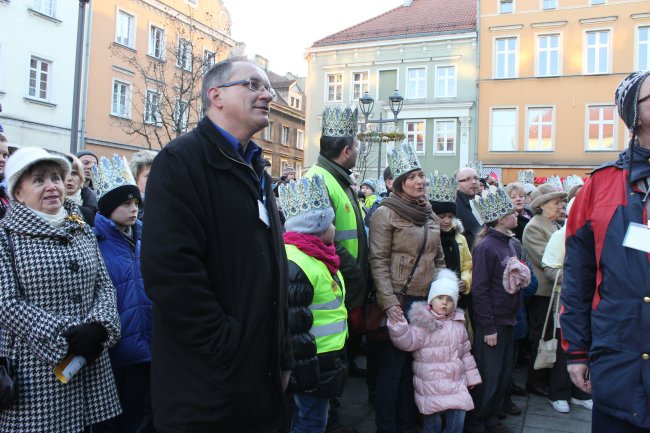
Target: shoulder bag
(8, 367)
(546, 351)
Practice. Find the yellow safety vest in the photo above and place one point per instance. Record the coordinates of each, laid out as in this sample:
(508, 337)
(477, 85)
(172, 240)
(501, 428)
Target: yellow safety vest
(330, 327)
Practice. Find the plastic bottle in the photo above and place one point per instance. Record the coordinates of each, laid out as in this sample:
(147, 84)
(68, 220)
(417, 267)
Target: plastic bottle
(66, 369)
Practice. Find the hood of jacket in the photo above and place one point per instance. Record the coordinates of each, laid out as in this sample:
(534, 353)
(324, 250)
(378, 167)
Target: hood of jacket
(423, 316)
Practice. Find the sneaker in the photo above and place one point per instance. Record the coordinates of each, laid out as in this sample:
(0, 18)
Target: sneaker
(587, 404)
(560, 405)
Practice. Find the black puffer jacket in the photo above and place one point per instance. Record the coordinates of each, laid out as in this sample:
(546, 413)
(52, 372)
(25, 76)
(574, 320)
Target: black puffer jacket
(324, 373)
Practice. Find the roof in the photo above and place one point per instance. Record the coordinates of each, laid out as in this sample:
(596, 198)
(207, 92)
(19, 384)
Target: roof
(420, 18)
(279, 81)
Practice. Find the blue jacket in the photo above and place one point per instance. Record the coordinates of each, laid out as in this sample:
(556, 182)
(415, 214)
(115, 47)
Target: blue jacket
(133, 305)
(605, 315)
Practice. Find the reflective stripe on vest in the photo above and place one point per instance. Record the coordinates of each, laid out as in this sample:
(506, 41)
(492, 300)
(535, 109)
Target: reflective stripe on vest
(330, 327)
(345, 219)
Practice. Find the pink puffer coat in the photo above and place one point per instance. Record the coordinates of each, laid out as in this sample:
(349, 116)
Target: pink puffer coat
(443, 366)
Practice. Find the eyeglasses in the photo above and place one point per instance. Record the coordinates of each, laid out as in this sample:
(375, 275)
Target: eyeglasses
(254, 84)
(645, 98)
(467, 179)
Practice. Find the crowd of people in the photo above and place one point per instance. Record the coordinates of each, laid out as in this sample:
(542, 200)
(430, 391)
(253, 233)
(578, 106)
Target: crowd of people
(242, 303)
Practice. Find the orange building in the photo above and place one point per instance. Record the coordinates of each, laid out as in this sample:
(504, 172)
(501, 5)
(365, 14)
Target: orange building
(548, 72)
(147, 59)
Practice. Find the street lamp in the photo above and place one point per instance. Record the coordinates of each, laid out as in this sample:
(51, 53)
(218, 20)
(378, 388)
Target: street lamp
(366, 103)
(76, 96)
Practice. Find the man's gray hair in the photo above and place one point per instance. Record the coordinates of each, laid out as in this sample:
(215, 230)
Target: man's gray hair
(216, 76)
(140, 160)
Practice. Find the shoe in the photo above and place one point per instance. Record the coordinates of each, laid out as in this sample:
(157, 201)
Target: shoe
(518, 390)
(502, 414)
(560, 405)
(510, 408)
(532, 389)
(499, 428)
(587, 404)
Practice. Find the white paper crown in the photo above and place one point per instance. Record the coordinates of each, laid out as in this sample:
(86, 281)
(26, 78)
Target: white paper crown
(402, 159)
(381, 186)
(340, 121)
(304, 195)
(442, 188)
(112, 173)
(571, 181)
(477, 166)
(555, 182)
(526, 176)
(494, 205)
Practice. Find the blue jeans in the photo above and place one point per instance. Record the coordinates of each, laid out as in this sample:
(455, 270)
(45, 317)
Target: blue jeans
(454, 421)
(310, 414)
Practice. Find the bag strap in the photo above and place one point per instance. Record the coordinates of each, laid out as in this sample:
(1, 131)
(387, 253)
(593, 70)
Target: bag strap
(12, 252)
(417, 260)
(550, 306)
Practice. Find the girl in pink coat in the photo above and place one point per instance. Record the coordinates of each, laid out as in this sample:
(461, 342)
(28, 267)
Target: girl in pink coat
(443, 367)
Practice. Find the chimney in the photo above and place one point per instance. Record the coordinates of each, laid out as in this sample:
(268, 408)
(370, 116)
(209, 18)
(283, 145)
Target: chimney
(238, 50)
(262, 62)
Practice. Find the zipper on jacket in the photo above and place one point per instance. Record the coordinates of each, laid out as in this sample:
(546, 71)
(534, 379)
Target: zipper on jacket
(259, 185)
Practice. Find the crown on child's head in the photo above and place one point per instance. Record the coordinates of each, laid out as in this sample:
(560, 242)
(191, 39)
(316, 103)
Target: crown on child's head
(340, 121)
(477, 166)
(304, 195)
(109, 174)
(494, 205)
(555, 182)
(402, 159)
(442, 188)
(526, 176)
(571, 181)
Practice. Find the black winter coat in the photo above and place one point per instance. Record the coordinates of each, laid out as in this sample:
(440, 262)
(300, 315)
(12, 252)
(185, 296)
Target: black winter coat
(217, 278)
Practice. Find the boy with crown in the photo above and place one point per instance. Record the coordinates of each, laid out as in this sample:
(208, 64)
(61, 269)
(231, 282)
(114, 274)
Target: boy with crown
(118, 234)
(317, 314)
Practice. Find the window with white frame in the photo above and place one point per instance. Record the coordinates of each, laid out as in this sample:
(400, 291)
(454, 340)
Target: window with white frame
(40, 76)
(505, 6)
(284, 165)
(121, 101)
(415, 135)
(539, 129)
(548, 55)
(643, 49)
(503, 129)
(267, 131)
(46, 7)
(597, 52)
(184, 54)
(208, 60)
(284, 139)
(445, 136)
(298, 170)
(156, 42)
(334, 87)
(600, 127)
(359, 84)
(597, 2)
(152, 108)
(416, 83)
(125, 30)
(505, 57)
(549, 4)
(445, 82)
(300, 139)
(181, 115)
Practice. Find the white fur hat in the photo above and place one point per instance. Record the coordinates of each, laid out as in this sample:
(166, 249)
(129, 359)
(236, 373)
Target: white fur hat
(22, 159)
(446, 283)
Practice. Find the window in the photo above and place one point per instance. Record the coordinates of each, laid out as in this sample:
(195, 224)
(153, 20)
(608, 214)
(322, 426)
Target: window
(549, 4)
(285, 135)
(359, 84)
(298, 170)
(415, 135)
(446, 82)
(387, 84)
(600, 127)
(643, 49)
(156, 42)
(208, 60)
(298, 103)
(445, 133)
(181, 115)
(268, 131)
(300, 139)
(125, 33)
(548, 55)
(46, 7)
(184, 55)
(293, 101)
(416, 83)
(505, 7)
(121, 105)
(597, 52)
(597, 2)
(334, 87)
(39, 78)
(540, 129)
(152, 114)
(503, 129)
(505, 57)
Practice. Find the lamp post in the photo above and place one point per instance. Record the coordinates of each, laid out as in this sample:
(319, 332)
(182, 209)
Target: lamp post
(366, 103)
(76, 96)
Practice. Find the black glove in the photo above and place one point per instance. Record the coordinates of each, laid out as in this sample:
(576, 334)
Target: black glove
(86, 340)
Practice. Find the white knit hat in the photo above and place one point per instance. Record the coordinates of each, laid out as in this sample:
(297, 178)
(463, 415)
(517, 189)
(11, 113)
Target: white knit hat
(24, 158)
(446, 283)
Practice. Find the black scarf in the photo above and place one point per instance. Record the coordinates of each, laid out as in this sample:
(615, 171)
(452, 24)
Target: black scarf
(450, 248)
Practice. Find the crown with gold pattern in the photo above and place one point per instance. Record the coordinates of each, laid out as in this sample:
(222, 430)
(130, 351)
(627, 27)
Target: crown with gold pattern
(442, 188)
(340, 121)
(493, 206)
(555, 182)
(111, 173)
(477, 166)
(571, 181)
(526, 176)
(402, 159)
(306, 205)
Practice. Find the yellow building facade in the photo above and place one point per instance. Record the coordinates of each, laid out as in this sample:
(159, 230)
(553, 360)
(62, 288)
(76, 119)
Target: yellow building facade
(548, 72)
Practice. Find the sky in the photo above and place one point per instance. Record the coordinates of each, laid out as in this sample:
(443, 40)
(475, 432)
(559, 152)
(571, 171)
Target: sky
(280, 30)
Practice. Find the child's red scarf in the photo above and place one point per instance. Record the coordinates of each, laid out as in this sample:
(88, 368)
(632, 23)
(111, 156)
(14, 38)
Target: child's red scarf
(314, 247)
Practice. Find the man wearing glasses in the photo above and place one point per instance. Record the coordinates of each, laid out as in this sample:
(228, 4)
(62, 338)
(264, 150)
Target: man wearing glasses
(215, 268)
(468, 187)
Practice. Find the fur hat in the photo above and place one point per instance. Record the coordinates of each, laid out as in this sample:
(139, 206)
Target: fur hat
(24, 158)
(446, 283)
(440, 207)
(544, 193)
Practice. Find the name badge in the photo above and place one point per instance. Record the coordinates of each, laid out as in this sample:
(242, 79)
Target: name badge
(264, 215)
(637, 237)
